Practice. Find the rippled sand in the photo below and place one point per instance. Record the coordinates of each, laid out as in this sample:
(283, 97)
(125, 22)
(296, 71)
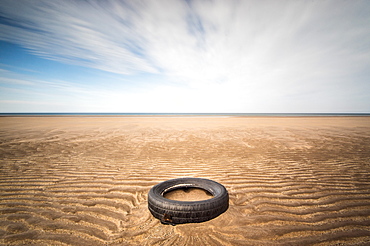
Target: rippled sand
(84, 181)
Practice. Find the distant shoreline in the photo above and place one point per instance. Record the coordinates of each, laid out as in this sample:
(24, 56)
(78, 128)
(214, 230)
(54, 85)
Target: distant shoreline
(184, 115)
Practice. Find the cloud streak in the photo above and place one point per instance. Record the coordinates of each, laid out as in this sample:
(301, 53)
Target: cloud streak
(260, 53)
(75, 32)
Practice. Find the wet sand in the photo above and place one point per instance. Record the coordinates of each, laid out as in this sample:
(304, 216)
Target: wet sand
(84, 180)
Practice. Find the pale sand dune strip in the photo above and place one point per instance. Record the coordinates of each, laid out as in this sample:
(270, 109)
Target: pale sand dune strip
(85, 182)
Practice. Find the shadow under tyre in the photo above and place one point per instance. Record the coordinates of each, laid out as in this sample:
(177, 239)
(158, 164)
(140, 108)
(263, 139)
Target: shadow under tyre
(179, 212)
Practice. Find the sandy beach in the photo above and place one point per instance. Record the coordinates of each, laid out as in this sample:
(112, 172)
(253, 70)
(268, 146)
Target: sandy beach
(85, 180)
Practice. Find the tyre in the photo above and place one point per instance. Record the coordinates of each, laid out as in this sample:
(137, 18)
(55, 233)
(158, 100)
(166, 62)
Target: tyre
(179, 212)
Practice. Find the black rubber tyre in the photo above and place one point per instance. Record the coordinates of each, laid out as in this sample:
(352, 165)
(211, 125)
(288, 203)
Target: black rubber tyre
(179, 212)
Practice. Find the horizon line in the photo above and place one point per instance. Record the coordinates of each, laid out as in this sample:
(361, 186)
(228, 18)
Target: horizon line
(176, 114)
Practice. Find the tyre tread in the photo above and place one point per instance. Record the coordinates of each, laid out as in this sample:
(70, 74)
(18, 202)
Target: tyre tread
(188, 212)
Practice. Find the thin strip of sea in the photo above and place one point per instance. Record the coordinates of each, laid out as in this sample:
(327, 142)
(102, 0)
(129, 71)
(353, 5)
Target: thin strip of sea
(179, 114)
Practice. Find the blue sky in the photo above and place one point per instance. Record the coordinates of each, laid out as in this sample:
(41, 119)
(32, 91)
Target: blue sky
(185, 56)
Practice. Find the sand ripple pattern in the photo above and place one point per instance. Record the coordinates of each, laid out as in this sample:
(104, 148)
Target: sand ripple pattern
(84, 181)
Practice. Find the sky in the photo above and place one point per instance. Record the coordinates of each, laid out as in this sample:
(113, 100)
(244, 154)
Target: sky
(177, 56)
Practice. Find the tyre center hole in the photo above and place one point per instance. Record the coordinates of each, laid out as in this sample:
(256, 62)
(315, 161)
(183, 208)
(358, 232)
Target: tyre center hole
(188, 194)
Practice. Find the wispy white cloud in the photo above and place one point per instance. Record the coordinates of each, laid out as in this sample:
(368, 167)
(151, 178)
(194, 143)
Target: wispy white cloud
(257, 55)
(81, 33)
(16, 86)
